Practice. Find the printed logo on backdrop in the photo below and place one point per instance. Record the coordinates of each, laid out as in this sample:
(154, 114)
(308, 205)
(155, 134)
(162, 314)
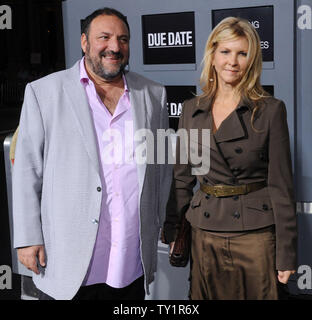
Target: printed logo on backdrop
(5, 17)
(168, 38)
(262, 20)
(175, 97)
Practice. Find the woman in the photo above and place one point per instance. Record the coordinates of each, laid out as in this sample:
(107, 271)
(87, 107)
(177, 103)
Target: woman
(243, 215)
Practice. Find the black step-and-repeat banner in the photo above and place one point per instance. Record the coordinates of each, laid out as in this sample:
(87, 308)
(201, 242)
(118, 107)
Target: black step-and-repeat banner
(262, 20)
(168, 38)
(269, 89)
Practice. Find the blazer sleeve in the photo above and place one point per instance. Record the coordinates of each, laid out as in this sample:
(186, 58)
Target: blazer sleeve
(165, 176)
(27, 174)
(280, 183)
(183, 182)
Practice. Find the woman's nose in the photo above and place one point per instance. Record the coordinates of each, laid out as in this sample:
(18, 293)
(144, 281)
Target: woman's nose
(233, 60)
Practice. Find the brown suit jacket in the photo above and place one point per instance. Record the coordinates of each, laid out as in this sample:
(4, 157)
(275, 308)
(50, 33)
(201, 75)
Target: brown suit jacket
(239, 155)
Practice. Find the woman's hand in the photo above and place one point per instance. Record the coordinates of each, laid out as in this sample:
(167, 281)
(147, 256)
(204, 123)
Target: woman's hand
(171, 245)
(283, 276)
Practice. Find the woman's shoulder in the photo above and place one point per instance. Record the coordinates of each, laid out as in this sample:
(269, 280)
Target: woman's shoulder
(271, 105)
(190, 105)
(191, 102)
(271, 101)
(195, 103)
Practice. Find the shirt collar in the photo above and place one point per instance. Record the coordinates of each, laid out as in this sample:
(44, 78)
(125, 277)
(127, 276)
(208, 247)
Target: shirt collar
(84, 78)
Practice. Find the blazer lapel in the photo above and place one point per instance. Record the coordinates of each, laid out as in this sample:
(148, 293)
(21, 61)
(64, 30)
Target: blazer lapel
(205, 121)
(138, 105)
(80, 106)
(231, 128)
(139, 115)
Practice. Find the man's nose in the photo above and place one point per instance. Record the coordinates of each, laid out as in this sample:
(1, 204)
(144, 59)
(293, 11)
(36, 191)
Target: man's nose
(114, 45)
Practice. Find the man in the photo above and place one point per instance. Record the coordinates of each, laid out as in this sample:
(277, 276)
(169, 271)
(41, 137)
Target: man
(86, 221)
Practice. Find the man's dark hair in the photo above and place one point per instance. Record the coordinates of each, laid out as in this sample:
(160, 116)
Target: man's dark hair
(104, 11)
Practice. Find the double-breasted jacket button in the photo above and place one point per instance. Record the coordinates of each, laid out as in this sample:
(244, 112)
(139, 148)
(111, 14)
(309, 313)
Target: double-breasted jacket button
(262, 156)
(99, 189)
(265, 207)
(207, 196)
(236, 197)
(236, 171)
(207, 214)
(205, 180)
(236, 215)
(238, 150)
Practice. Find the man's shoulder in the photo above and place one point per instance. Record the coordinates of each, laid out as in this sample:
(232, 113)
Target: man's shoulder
(140, 81)
(57, 78)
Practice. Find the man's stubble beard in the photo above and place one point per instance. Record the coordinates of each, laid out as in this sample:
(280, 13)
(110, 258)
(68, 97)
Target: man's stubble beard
(98, 68)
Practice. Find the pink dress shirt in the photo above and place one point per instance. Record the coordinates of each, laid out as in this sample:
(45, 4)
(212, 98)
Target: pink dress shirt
(116, 258)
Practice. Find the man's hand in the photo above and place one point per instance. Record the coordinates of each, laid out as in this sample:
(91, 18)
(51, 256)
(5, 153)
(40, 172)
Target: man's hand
(283, 276)
(28, 257)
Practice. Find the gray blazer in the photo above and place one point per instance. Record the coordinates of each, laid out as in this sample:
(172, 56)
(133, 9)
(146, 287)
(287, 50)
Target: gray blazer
(56, 178)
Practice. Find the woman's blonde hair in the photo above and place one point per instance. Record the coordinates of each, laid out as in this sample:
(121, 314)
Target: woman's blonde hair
(249, 86)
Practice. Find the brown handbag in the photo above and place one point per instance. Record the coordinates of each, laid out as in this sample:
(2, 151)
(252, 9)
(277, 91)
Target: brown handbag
(182, 246)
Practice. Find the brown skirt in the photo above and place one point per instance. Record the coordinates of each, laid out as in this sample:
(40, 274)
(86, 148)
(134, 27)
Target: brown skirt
(236, 267)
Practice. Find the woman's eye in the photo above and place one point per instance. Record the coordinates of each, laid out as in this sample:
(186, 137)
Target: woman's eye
(243, 54)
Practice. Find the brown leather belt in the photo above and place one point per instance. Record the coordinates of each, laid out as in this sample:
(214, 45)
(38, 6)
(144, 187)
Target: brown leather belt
(221, 190)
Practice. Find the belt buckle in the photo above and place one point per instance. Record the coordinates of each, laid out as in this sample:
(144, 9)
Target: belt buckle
(219, 189)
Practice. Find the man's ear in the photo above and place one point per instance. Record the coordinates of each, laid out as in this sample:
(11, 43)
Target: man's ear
(84, 42)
